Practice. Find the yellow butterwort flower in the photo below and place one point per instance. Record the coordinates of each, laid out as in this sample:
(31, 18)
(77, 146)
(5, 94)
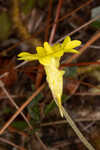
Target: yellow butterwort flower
(49, 56)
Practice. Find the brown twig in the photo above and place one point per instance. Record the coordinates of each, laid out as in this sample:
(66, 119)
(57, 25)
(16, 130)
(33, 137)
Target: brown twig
(48, 20)
(84, 83)
(11, 143)
(55, 22)
(14, 130)
(94, 116)
(14, 104)
(78, 29)
(40, 141)
(40, 73)
(74, 11)
(87, 94)
(21, 108)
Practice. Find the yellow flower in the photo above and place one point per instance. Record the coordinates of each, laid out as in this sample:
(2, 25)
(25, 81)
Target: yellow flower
(49, 56)
(44, 54)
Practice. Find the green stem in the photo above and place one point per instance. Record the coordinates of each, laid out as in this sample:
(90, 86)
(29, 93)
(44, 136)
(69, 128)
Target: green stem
(76, 130)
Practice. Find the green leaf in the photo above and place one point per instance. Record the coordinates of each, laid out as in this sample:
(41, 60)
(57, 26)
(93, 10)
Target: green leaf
(96, 24)
(33, 108)
(5, 26)
(21, 125)
(53, 105)
(50, 107)
(6, 110)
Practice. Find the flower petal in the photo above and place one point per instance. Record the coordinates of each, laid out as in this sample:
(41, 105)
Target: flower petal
(47, 47)
(71, 51)
(40, 51)
(66, 41)
(57, 50)
(72, 44)
(27, 56)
